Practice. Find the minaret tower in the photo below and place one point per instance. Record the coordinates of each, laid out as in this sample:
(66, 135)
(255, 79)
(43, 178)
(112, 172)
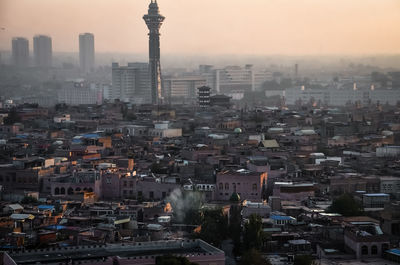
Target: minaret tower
(153, 21)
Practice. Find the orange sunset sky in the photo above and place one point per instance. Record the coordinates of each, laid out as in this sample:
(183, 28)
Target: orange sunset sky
(290, 27)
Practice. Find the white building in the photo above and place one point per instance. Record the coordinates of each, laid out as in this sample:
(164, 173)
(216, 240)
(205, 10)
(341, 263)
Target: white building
(179, 89)
(77, 93)
(131, 83)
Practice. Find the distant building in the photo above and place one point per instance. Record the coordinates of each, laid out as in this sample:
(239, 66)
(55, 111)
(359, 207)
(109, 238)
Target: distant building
(179, 89)
(42, 51)
(220, 100)
(86, 52)
(78, 93)
(204, 93)
(131, 83)
(20, 51)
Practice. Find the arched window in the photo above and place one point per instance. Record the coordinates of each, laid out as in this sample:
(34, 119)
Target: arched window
(254, 187)
(234, 187)
(220, 186)
(57, 191)
(90, 190)
(374, 250)
(62, 190)
(227, 186)
(78, 189)
(70, 191)
(364, 250)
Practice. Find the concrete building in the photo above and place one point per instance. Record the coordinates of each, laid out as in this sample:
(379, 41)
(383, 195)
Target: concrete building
(42, 51)
(333, 96)
(375, 200)
(143, 253)
(247, 184)
(131, 83)
(204, 93)
(76, 92)
(182, 89)
(86, 52)
(20, 52)
(154, 21)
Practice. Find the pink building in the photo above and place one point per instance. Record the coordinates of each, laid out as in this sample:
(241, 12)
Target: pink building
(248, 184)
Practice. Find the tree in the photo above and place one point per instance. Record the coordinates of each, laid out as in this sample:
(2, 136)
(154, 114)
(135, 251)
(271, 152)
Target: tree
(29, 200)
(346, 206)
(173, 260)
(235, 228)
(253, 257)
(12, 117)
(214, 227)
(303, 260)
(253, 233)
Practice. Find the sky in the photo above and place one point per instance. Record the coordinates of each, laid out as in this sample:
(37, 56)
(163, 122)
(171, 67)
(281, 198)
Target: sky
(248, 27)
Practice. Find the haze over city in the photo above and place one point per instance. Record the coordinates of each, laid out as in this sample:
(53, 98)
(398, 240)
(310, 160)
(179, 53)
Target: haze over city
(263, 27)
(200, 132)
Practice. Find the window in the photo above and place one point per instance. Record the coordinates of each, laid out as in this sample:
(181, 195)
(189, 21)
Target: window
(125, 192)
(108, 180)
(227, 186)
(151, 194)
(164, 194)
(374, 250)
(254, 187)
(125, 183)
(130, 183)
(220, 186)
(364, 250)
(234, 187)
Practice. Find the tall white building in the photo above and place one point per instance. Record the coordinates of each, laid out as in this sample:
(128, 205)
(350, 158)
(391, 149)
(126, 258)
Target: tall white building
(86, 52)
(42, 51)
(20, 51)
(131, 83)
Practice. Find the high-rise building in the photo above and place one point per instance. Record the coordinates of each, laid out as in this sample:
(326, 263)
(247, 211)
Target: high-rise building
(131, 83)
(20, 51)
(42, 51)
(86, 52)
(153, 21)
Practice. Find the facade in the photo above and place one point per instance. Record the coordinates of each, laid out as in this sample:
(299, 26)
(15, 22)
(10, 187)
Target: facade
(340, 97)
(181, 89)
(154, 21)
(77, 93)
(247, 184)
(375, 200)
(143, 253)
(131, 83)
(204, 96)
(86, 52)
(20, 52)
(42, 51)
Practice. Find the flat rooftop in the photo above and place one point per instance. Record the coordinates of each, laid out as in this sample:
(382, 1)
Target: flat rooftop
(127, 251)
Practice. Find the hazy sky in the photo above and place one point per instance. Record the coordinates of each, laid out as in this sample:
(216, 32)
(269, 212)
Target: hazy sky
(211, 26)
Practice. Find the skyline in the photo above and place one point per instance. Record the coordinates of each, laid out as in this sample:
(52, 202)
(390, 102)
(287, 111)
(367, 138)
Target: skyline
(265, 27)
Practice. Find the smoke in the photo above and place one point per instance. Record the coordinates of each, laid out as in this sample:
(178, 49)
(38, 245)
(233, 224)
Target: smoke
(184, 203)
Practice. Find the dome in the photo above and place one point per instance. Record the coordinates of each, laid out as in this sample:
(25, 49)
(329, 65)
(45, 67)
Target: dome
(237, 130)
(235, 197)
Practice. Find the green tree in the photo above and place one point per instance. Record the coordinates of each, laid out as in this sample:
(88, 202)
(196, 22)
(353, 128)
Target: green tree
(253, 233)
(303, 260)
(173, 260)
(29, 200)
(346, 206)
(235, 228)
(253, 257)
(214, 227)
(12, 117)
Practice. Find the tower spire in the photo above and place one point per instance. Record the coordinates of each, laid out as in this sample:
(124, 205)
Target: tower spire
(153, 20)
